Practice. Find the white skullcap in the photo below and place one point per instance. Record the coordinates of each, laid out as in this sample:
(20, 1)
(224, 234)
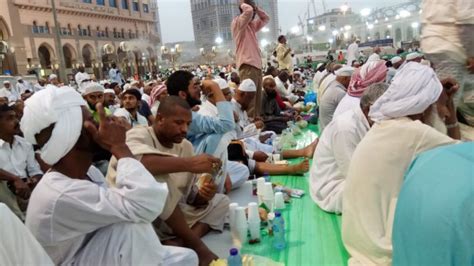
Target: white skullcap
(395, 59)
(345, 71)
(127, 86)
(222, 83)
(6, 82)
(134, 83)
(247, 85)
(103, 82)
(413, 55)
(319, 65)
(61, 108)
(19, 78)
(109, 91)
(268, 77)
(414, 88)
(52, 76)
(297, 73)
(92, 87)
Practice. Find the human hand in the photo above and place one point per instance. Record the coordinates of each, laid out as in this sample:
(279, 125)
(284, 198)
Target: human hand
(21, 188)
(204, 163)
(111, 133)
(207, 191)
(451, 86)
(259, 124)
(264, 137)
(260, 156)
(209, 86)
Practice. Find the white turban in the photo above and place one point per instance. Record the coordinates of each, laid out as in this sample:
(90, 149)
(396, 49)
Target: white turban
(222, 83)
(247, 85)
(414, 89)
(59, 107)
(91, 87)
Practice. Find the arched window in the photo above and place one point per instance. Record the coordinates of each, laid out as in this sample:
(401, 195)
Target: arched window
(130, 34)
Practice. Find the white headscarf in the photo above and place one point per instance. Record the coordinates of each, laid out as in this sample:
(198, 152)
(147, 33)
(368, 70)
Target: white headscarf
(61, 108)
(414, 89)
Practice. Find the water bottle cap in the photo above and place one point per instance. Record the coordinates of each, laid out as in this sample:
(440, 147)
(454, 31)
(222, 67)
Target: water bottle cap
(234, 251)
(277, 214)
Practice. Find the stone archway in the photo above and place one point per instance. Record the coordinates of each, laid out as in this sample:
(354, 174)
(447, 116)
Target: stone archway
(88, 55)
(70, 55)
(46, 55)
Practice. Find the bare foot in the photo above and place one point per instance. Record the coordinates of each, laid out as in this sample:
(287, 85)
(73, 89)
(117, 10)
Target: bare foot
(205, 256)
(302, 167)
(309, 150)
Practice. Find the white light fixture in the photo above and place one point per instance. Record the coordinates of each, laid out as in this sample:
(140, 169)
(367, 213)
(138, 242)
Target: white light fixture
(421, 11)
(346, 35)
(404, 14)
(263, 42)
(397, 17)
(322, 28)
(335, 32)
(386, 19)
(376, 21)
(295, 29)
(368, 38)
(415, 25)
(389, 26)
(347, 27)
(219, 40)
(344, 8)
(330, 41)
(265, 29)
(388, 37)
(370, 26)
(311, 21)
(365, 12)
(309, 38)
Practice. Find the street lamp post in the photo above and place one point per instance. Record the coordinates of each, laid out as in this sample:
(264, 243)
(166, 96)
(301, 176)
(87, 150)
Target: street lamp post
(62, 69)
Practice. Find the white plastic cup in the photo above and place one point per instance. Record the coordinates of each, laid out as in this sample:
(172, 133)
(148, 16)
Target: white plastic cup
(254, 228)
(232, 208)
(241, 226)
(276, 157)
(268, 190)
(260, 185)
(253, 212)
(279, 201)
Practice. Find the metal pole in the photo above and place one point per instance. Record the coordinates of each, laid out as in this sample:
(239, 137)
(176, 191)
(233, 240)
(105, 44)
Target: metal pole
(62, 62)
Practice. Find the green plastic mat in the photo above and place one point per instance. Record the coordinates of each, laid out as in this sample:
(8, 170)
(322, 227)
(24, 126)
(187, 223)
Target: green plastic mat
(313, 237)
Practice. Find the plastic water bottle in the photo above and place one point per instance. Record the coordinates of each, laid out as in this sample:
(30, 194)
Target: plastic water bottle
(234, 259)
(279, 232)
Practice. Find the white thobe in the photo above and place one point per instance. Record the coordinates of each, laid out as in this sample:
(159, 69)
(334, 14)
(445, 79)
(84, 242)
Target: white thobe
(80, 77)
(140, 121)
(18, 245)
(38, 87)
(325, 83)
(284, 92)
(390, 74)
(317, 79)
(373, 183)
(332, 157)
(86, 223)
(10, 94)
(238, 172)
(352, 53)
(22, 87)
(373, 57)
(347, 103)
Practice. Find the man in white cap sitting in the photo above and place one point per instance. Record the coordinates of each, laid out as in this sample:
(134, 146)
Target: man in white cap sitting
(334, 151)
(53, 81)
(110, 100)
(40, 85)
(381, 159)
(414, 57)
(397, 62)
(8, 92)
(22, 86)
(81, 75)
(327, 80)
(93, 93)
(74, 215)
(333, 95)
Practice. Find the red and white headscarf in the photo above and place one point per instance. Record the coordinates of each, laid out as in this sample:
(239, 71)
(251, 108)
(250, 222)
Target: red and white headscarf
(370, 73)
(155, 93)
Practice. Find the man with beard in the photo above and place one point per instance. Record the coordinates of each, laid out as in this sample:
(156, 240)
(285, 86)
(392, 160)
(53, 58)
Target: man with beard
(18, 166)
(94, 94)
(110, 100)
(380, 160)
(72, 213)
(207, 134)
(191, 210)
(129, 112)
(248, 56)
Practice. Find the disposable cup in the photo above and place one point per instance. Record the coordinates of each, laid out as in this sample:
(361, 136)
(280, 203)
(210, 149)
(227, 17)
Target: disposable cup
(279, 201)
(260, 185)
(267, 190)
(253, 212)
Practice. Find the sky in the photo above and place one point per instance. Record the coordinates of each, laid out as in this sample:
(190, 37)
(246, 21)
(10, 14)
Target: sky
(176, 20)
